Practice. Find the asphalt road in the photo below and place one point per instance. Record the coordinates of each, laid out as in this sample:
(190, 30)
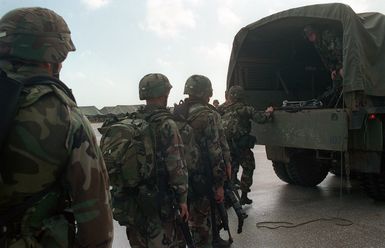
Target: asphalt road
(362, 222)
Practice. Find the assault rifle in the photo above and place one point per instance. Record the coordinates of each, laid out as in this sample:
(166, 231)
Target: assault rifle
(183, 225)
(168, 194)
(232, 200)
(216, 207)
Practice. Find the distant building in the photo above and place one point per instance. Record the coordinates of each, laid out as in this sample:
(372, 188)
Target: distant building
(92, 113)
(119, 109)
(95, 115)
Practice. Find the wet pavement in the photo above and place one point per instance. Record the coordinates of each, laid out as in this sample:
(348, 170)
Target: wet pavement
(362, 222)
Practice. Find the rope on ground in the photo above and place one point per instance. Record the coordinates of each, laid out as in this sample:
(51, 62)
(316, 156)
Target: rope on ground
(279, 224)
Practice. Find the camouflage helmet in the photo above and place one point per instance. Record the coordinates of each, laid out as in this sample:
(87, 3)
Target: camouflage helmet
(198, 86)
(34, 34)
(153, 85)
(236, 92)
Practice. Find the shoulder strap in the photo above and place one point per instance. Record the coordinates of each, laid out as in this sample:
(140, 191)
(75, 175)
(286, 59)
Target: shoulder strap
(47, 80)
(13, 213)
(196, 112)
(10, 91)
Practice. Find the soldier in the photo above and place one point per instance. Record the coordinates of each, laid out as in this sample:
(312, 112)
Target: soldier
(329, 47)
(159, 231)
(54, 188)
(328, 44)
(236, 122)
(210, 175)
(216, 103)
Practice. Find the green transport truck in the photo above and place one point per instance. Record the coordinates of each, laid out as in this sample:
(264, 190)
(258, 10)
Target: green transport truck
(317, 128)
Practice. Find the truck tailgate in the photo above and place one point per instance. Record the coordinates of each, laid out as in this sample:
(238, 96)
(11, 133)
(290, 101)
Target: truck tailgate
(324, 129)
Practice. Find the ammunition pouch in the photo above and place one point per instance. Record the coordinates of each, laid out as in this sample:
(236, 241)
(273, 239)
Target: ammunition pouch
(152, 203)
(56, 231)
(246, 141)
(167, 203)
(148, 201)
(198, 185)
(125, 207)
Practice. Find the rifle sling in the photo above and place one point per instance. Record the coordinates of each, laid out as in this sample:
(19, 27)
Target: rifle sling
(16, 211)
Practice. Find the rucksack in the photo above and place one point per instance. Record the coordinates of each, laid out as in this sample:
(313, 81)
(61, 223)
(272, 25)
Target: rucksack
(128, 149)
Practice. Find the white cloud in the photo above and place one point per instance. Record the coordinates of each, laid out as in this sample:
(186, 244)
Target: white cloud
(168, 18)
(218, 53)
(227, 17)
(95, 4)
(226, 13)
(164, 63)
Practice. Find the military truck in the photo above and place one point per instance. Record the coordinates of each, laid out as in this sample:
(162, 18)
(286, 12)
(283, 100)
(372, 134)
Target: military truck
(309, 136)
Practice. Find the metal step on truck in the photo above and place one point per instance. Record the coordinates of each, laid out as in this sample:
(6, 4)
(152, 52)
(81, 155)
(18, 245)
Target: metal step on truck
(318, 126)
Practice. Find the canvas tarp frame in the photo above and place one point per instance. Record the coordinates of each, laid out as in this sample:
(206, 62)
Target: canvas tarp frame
(363, 43)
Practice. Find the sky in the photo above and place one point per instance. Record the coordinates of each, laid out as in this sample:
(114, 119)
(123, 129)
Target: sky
(120, 41)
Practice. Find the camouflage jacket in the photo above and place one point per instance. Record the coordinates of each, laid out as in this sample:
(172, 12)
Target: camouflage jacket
(244, 114)
(329, 47)
(170, 146)
(51, 145)
(222, 137)
(205, 124)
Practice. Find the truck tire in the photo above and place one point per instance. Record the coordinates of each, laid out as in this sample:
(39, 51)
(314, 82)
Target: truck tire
(281, 172)
(374, 185)
(305, 170)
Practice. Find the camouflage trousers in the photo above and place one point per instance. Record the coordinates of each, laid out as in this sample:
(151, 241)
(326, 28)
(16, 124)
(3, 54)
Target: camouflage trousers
(200, 222)
(245, 159)
(153, 234)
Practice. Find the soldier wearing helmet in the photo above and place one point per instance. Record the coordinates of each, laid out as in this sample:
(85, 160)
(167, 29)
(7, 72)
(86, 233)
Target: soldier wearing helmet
(160, 231)
(236, 120)
(328, 44)
(54, 186)
(204, 121)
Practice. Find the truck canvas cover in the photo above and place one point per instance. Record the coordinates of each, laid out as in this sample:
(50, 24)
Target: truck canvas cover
(363, 42)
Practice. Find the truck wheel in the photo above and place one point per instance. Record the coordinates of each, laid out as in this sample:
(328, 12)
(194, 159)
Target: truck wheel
(305, 170)
(374, 185)
(281, 172)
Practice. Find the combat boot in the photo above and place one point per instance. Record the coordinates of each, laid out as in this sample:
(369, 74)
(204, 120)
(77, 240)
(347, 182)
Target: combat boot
(244, 199)
(221, 243)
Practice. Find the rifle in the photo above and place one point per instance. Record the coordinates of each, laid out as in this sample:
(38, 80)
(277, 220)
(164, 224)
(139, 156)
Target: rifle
(168, 194)
(232, 199)
(220, 207)
(225, 219)
(183, 225)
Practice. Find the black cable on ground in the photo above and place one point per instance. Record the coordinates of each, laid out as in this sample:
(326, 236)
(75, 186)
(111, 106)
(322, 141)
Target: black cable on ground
(279, 224)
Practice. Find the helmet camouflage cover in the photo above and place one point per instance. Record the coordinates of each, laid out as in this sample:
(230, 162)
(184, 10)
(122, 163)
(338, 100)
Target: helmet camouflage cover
(236, 92)
(154, 85)
(34, 34)
(198, 86)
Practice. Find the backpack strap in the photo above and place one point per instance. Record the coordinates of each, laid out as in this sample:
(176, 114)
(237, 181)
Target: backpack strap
(47, 80)
(10, 91)
(196, 112)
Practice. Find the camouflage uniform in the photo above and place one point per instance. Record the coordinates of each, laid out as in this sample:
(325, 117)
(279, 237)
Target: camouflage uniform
(329, 47)
(157, 231)
(51, 150)
(241, 143)
(204, 123)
